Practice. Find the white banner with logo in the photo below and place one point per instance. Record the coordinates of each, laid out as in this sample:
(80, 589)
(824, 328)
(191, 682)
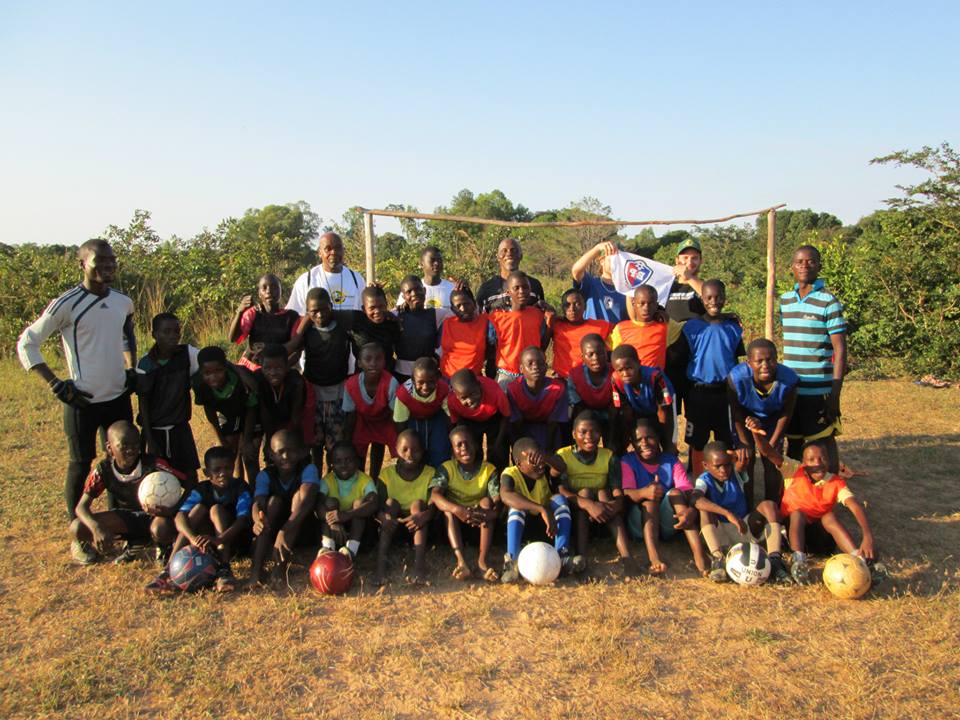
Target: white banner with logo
(630, 271)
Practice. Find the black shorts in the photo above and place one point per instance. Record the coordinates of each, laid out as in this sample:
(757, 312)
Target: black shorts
(177, 446)
(707, 411)
(80, 426)
(138, 525)
(809, 422)
(816, 539)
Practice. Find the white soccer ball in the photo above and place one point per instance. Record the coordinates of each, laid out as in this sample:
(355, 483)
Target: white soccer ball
(160, 489)
(748, 564)
(539, 563)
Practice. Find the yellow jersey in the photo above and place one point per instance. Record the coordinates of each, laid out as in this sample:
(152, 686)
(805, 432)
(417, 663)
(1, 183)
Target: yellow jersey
(540, 492)
(348, 491)
(407, 492)
(467, 492)
(580, 475)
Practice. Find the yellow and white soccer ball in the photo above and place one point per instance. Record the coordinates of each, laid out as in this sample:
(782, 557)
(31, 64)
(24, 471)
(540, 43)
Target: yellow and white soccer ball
(846, 576)
(539, 563)
(159, 489)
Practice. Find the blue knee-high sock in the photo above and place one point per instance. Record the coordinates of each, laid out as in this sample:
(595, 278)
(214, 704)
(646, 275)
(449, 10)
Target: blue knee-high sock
(561, 514)
(516, 520)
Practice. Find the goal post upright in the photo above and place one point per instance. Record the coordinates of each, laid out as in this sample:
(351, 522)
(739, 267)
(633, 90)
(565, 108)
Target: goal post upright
(771, 272)
(368, 245)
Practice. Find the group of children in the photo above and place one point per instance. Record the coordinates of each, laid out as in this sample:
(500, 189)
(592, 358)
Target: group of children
(590, 444)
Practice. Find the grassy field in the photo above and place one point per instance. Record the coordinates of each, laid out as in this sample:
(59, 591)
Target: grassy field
(87, 642)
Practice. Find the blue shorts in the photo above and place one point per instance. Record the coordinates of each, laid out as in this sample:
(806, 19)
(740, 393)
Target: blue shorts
(667, 520)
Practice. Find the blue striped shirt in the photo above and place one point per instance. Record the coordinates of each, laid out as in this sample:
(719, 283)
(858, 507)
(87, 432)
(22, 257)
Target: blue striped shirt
(808, 324)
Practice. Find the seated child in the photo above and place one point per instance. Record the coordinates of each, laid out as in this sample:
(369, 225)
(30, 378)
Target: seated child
(725, 517)
(374, 324)
(229, 401)
(285, 496)
(761, 393)
(591, 484)
(281, 394)
(657, 482)
(263, 323)
(589, 385)
(407, 504)
(368, 402)
(466, 490)
(420, 327)
(419, 406)
(712, 344)
(650, 332)
(163, 391)
(215, 517)
(809, 499)
(479, 404)
(525, 488)
(538, 403)
(513, 330)
(349, 498)
(640, 392)
(120, 475)
(463, 335)
(326, 363)
(568, 331)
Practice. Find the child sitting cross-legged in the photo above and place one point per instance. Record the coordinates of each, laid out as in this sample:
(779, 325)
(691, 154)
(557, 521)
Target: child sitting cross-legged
(349, 498)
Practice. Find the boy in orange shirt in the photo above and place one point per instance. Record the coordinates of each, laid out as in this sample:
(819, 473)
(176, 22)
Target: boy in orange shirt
(463, 335)
(568, 331)
(809, 499)
(650, 333)
(515, 329)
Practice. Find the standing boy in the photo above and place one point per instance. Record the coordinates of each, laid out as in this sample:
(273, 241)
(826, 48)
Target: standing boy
(511, 330)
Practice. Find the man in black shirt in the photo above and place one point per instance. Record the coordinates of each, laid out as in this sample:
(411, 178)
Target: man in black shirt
(492, 295)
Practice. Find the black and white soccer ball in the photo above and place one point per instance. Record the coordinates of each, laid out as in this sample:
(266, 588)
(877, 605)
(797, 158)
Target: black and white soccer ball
(748, 564)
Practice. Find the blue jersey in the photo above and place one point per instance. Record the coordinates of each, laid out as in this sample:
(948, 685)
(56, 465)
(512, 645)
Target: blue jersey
(655, 390)
(644, 477)
(714, 347)
(728, 495)
(235, 496)
(766, 406)
(269, 482)
(603, 301)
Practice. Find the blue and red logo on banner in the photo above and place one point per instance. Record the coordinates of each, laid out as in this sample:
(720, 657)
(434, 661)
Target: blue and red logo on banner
(637, 272)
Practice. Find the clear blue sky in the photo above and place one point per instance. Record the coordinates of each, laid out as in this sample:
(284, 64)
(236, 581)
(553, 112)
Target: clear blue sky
(197, 111)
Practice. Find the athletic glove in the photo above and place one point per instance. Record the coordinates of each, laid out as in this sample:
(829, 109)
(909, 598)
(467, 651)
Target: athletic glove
(70, 394)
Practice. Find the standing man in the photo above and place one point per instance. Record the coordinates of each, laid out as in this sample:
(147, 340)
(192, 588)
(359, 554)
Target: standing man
(604, 302)
(343, 284)
(492, 295)
(96, 327)
(814, 347)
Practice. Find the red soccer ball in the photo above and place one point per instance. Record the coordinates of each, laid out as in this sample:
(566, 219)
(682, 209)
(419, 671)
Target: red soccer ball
(331, 573)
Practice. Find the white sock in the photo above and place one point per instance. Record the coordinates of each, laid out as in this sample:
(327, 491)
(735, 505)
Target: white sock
(328, 543)
(353, 546)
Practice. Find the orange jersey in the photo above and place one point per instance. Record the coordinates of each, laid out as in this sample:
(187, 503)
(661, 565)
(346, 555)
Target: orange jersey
(463, 344)
(566, 342)
(516, 331)
(649, 338)
(813, 499)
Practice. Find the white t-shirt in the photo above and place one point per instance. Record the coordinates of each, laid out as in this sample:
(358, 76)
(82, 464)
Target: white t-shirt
(344, 288)
(95, 332)
(438, 296)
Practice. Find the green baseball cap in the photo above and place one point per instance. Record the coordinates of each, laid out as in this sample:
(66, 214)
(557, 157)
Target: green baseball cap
(688, 244)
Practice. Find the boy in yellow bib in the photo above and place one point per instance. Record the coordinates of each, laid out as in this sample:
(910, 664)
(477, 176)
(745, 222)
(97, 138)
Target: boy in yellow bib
(405, 492)
(591, 486)
(348, 498)
(525, 488)
(466, 490)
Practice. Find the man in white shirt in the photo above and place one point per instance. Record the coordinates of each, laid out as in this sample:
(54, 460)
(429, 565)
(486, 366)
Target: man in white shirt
(438, 288)
(96, 327)
(343, 284)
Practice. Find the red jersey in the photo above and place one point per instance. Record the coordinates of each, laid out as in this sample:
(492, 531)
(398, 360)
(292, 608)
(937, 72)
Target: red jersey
(649, 339)
(420, 410)
(463, 344)
(566, 342)
(516, 331)
(492, 401)
(595, 398)
(537, 409)
(813, 499)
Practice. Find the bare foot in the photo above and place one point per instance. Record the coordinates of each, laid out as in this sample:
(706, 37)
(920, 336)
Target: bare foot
(462, 572)
(489, 574)
(418, 578)
(379, 580)
(657, 567)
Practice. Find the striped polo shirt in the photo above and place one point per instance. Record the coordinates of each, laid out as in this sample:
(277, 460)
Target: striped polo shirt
(808, 324)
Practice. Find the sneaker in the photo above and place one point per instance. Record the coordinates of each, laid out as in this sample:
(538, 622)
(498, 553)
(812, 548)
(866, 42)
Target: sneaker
(878, 572)
(161, 554)
(578, 563)
(718, 573)
(778, 571)
(83, 552)
(510, 573)
(129, 554)
(800, 572)
(226, 582)
(160, 584)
